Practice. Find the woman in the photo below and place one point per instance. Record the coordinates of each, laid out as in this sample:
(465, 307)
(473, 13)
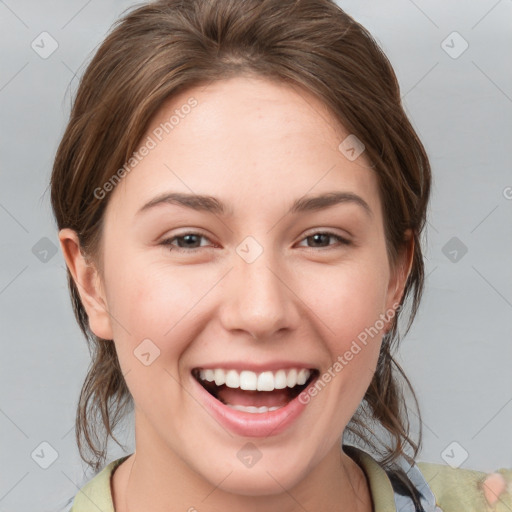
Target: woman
(240, 198)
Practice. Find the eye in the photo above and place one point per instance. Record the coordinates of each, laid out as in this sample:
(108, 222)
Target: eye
(185, 243)
(323, 237)
(188, 242)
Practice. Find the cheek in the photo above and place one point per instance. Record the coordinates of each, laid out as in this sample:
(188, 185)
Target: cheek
(154, 324)
(345, 302)
(157, 302)
(348, 304)
(348, 300)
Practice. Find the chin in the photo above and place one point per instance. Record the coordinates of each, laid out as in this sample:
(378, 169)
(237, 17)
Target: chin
(252, 482)
(278, 469)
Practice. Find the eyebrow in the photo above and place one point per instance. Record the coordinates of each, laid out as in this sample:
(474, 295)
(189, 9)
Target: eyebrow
(213, 205)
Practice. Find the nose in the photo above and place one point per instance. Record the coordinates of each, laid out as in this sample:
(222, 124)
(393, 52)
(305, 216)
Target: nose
(258, 299)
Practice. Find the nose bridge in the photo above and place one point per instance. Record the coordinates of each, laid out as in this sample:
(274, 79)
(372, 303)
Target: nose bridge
(260, 302)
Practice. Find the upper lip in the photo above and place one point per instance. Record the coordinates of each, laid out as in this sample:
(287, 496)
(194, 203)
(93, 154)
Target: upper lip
(255, 367)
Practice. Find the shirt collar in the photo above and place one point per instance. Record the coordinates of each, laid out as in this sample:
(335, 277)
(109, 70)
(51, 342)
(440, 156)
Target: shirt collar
(378, 480)
(389, 497)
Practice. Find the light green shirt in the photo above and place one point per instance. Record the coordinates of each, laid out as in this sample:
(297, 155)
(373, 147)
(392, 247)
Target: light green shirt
(453, 490)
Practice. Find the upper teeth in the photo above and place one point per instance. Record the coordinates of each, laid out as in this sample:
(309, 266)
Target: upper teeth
(251, 381)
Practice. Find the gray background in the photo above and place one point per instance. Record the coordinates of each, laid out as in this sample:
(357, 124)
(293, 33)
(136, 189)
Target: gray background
(459, 352)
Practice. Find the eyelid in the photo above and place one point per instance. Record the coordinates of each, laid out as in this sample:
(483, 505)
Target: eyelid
(342, 240)
(328, 231)
(167, 241)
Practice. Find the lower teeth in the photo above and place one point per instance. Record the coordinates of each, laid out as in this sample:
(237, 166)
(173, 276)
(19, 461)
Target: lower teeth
(252, 408)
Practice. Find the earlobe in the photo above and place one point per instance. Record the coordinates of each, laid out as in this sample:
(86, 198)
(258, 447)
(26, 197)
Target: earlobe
(88, 283)
(400, 272)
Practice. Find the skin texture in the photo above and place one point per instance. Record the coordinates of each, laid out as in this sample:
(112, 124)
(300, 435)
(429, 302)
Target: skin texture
(256, 145)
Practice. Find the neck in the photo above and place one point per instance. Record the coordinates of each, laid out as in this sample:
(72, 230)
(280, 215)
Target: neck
(155, 479)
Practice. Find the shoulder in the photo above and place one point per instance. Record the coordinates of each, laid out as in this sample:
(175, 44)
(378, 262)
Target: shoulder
(96, 494)
(458, 489)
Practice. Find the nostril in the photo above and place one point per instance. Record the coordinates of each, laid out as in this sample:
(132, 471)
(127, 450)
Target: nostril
(493, 486)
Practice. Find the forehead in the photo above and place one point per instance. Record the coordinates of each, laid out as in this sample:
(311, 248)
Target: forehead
(232, 138)
(257, 103)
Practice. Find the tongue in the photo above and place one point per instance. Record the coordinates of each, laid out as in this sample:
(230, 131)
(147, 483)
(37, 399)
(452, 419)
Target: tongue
(235, 396)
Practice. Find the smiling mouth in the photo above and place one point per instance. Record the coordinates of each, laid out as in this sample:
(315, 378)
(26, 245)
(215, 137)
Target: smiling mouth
(253, 392)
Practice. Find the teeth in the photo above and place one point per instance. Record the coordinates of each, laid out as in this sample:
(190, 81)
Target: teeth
(280, 379)
(248, 380)
(220, 377)
(232, 379)
(291, 378)
(208, 375)
(251, 381)
(265, 382)
(303, 376)
(253, 409)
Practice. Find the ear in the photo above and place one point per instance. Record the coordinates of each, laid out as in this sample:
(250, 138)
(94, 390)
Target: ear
(88, 282)
(400, 273)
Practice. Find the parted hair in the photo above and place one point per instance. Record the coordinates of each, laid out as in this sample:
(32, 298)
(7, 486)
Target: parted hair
(161, 48)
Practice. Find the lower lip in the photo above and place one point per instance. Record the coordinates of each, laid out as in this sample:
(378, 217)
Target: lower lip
(248, 424)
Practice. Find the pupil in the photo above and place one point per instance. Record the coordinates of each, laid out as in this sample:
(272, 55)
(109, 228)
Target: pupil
(189, 238)
(317, 237)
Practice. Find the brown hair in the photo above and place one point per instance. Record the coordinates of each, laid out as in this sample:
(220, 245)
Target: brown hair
(165, 47)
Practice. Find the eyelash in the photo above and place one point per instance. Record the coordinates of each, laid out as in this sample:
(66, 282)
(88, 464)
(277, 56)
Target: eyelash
(168, 242)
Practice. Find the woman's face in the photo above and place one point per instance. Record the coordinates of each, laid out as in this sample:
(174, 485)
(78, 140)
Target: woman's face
(244, 281)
